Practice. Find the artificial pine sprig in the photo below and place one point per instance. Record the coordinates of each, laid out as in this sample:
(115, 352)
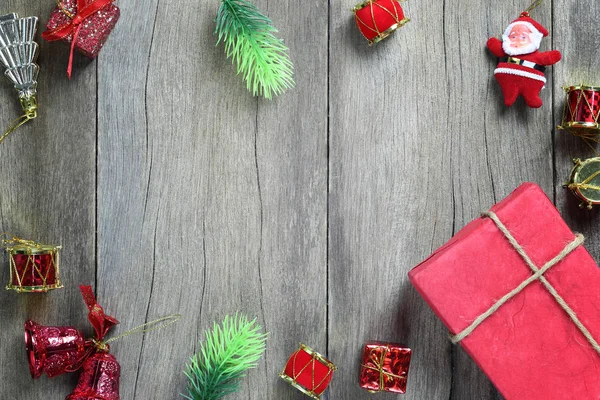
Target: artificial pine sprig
(261, 58)
(228, 351)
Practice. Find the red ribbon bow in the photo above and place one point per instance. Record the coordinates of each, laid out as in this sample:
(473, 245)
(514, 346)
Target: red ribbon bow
(99, 320)
(84, 11)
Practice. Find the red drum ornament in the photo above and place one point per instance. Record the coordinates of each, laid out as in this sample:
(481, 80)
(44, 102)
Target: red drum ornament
(34, 267)
(53, 349)
(99, 379)
(581, 112)
(378, 19)
(308, 371)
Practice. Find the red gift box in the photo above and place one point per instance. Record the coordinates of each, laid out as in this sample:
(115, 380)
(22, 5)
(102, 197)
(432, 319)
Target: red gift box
(91, 20)
(529, 346)
(384, 367)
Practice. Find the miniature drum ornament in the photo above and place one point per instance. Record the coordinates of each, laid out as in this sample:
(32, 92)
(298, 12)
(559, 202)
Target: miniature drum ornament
(584, 181)
(378, 19)
(581, 112)
(33, 267)
(308, 371)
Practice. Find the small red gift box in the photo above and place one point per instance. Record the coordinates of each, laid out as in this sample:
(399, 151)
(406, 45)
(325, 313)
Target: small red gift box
(91, 21)
(308, 371)
(522, 297)
(378, 19)
(384, 367)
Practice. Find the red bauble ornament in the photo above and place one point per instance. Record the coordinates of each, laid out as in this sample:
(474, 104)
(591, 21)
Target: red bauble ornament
(377, 19)
(308, 371)
(54, 349)
(384, 367)
(99, 379)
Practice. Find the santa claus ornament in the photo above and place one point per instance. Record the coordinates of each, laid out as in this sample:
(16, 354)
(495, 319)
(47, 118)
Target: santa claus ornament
(521, 66)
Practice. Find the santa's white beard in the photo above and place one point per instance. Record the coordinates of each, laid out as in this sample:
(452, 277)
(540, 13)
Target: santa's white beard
(513, 51)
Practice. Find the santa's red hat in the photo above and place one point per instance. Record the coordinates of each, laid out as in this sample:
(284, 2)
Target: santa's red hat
(530, 22)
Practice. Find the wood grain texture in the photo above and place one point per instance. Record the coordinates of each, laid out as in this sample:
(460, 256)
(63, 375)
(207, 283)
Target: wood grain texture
(175, 191)
(47, 193)
(224, 196)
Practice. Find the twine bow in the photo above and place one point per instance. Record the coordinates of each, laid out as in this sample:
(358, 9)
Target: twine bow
(85, 9)
(538, 274)
(379, 364)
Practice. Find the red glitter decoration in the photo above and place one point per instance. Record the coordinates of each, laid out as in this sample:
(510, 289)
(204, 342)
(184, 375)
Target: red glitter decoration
(377, 19)
(99, 379)
(308, 371)
(91, 32)
(384, 367)
(33, 272)
(59, 349)
(54, 349)
(582, 109)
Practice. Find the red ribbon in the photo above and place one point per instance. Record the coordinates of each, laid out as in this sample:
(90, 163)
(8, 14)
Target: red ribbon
(84, 11)
(99, 320)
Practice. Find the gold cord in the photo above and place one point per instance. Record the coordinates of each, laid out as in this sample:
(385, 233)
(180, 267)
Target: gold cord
(64, 10)
(584, 184)
(16, 240)
(533, 5)
(16, 124)
(171, 319)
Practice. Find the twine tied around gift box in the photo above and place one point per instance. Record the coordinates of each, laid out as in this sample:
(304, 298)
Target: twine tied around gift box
(85, 10)
(379, 368)
(538, 274)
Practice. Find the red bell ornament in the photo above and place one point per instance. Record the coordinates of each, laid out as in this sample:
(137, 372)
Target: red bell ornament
(54, 349)
(308, 371)
(378, 19)
(99, 379)
(33, 267)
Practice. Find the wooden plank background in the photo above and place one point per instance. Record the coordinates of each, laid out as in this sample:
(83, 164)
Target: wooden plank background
(173, 190)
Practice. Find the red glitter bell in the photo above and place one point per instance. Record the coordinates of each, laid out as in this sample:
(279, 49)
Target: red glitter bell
(378, 19)
(99, 379)
(54, 349)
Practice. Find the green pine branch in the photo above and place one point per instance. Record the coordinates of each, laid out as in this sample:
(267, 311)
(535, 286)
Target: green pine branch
(228, 351)
(261, 58)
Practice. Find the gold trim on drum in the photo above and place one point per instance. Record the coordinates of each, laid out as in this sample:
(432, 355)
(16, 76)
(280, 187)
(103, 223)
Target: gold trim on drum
(388, 31)
(577, 186)
(315, 356)
(586, 130)
(33, 251)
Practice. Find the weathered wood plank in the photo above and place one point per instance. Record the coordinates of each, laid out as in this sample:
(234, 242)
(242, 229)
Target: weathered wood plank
(47, 193)
(576, 36)
(223, 196)
(390, 194)
(433, 146)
